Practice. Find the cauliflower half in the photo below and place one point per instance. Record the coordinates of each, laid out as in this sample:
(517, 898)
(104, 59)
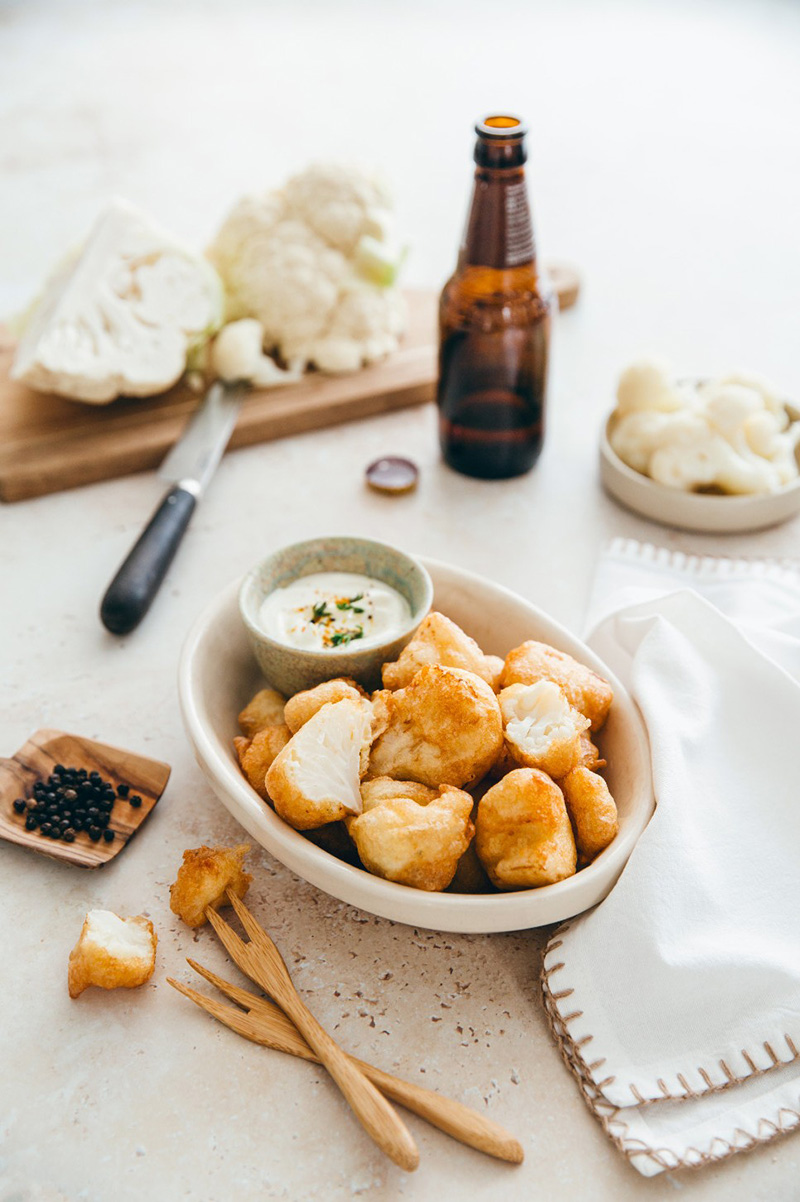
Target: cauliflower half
(732, 434)
(121, 316)
(314, 263)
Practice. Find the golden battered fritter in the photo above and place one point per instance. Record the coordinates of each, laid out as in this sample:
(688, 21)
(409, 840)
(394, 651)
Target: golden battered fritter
(112, 953)
(257, 754)
(592, 810)
(522, 832)
(316, 778)
(542, 730)
(204, 878)
(444, 728)
(440, 641)
(265, 709)
(585, 690)
(417, 845)
(304, 705)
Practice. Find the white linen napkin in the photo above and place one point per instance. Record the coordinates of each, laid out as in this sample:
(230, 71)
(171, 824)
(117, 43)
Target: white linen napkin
(676, 1001)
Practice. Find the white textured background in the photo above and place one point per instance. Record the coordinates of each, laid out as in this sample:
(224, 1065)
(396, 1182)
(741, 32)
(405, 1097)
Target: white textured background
(664, 163)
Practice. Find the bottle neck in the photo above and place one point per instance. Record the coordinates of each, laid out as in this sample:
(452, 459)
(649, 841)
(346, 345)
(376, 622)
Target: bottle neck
(499, 231)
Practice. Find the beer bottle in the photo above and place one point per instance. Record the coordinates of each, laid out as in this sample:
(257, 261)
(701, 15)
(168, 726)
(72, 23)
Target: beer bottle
(494, 320)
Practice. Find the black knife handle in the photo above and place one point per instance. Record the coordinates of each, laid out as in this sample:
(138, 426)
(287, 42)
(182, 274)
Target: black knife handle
(132, 590)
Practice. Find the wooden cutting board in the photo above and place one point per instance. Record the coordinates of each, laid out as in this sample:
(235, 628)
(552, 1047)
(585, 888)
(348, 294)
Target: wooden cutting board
(48, 444)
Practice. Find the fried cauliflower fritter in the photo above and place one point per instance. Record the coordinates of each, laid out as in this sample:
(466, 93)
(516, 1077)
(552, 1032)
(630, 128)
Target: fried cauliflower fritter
(592, 811)
(586, 691)
(316, 778)
(444, 728)
(522, 832)
(204, 878)
(382, 788)
(470, 875)
(265, 709)
(304, 705)
(542, 729)
(590, 754)
(417, 845)
(112, 953)
(439, 641)
(256, 755)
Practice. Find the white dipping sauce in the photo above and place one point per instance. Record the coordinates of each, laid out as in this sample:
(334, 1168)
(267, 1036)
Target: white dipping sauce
(329, 611)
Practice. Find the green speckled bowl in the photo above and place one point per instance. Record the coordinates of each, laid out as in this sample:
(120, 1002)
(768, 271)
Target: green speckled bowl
(291, 669)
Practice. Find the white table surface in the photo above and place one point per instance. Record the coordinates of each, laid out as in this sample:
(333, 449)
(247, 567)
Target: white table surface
(664, 163)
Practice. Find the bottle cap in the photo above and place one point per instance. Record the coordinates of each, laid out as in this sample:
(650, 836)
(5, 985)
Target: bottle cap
(391, 474)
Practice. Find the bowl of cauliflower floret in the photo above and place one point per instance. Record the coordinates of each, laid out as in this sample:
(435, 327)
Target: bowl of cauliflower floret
(498, 780)
(719, 455)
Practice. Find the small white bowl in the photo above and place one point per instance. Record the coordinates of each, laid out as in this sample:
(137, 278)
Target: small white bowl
(292, 669)
(703, 512)
(217, 676)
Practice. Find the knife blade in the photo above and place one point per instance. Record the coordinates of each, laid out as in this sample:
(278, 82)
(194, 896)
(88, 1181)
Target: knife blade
(188, 467)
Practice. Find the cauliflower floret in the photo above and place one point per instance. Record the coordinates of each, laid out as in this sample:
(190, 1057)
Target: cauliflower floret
(205, 877)
(522, 832)
(766, 391)
(302, 261)
(304, 705)
(634, 436)
(112, 953)
(415, 844)
(265, 709)
(443, 728)
(584, 689)
(317, 777)
(727, 407)
(690, 462)
(647, 385)
(439, 640)
(237, 354)
(542, 729)
(120, 317)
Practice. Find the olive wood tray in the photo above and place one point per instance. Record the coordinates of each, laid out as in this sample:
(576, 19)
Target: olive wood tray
(35, 761)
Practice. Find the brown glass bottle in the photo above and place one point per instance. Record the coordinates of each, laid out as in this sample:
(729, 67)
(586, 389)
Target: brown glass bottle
(494, 321)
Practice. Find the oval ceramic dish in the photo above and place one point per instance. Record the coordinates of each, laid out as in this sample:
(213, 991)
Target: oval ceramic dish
(218, 675)
(703, 512)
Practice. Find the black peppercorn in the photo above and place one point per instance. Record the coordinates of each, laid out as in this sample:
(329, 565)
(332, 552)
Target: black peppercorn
(19, 805)
(123, 790)
(136, 801)
(109, 835)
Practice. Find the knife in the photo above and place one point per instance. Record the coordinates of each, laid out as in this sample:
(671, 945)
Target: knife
(188, 467)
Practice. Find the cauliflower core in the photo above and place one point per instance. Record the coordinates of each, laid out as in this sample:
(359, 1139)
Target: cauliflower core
(413, 842)
(112, 953)
(295, 261)
(317, 777)
(121, 317)
(542, 729)
(204, 880)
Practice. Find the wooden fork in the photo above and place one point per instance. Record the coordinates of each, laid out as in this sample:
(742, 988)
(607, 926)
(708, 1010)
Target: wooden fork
(262, 962)
(264, 1023)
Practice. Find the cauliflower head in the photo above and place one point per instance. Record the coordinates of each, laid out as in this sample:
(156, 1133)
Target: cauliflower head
(120, 317)
(314, 263)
